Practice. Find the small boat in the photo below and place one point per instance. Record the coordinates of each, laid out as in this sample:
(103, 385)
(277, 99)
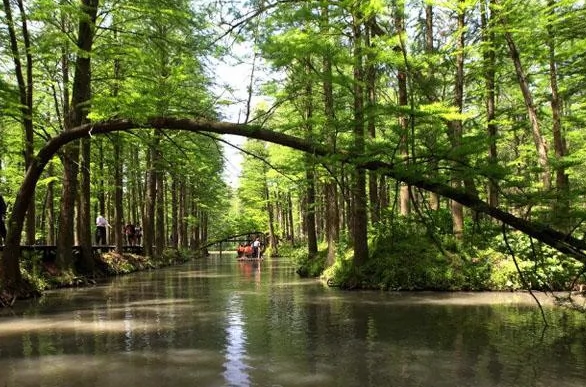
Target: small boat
(246, 253)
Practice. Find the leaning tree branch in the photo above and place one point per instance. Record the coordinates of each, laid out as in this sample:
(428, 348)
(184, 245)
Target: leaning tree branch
(566, 244)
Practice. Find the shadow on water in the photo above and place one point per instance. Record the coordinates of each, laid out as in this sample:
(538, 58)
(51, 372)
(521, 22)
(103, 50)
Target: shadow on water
(219, 322)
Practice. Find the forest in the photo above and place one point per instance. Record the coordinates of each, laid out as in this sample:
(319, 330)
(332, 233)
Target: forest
(389, 144)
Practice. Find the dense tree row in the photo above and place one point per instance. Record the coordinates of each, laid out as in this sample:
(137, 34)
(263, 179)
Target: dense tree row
(481, 95)
(69, 63)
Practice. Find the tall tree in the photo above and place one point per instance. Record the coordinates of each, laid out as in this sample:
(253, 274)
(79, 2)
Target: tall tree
(562, 184)
(310, 218)
(331, 189)
(489, 63)
(456, 126)
(24, 79)
(77, 115)
(524, 86)
(399, 11)
(359, 201)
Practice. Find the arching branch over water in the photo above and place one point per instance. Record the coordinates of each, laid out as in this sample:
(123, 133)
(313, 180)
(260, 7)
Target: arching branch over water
(10, 266)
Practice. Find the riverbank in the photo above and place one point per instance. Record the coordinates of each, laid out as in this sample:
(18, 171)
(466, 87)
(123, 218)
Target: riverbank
(42, 276)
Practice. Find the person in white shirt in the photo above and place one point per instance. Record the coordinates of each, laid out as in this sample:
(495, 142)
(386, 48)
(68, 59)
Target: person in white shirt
(101, 224)
(256, 248)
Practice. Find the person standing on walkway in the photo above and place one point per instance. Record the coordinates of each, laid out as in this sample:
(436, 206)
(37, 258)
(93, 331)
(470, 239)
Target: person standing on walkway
(2, 216)
(101, 224)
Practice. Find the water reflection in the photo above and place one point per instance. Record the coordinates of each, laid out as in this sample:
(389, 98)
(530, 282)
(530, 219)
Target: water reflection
(218, 322)
(236, 367)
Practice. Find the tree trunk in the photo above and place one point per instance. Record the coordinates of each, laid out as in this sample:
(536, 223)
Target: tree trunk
(434, 199)
(404, 197)
(174, 212)
(310, 222)
(489, 77)
(269, 208)
(50, 208)
(290, 218)
(455, 126)
(195, 237)
(120, 220)
(561, 206)
(160, 234)
(331, 189)
(371, 117)
(183, 237)
(359, 205)
(85, 225)
(77, 115)
(149, 203)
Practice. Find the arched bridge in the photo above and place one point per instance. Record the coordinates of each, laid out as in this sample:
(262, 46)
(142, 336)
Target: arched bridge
(238, 238)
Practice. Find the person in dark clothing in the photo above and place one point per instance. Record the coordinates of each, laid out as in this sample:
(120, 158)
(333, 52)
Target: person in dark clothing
(2, 216)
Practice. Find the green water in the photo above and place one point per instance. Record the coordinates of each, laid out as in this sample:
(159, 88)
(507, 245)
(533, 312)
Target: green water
(218, 322)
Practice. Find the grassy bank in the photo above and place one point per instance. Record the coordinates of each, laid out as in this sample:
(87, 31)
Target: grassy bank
(406, 255)
(40, 276)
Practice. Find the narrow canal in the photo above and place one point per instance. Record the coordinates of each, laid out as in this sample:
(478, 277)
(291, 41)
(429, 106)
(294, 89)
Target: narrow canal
(218, 322)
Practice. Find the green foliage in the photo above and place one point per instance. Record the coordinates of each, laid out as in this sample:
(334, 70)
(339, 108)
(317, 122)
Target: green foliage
(541, 266)
(405, 257)
(36, 281)
(174, 257)
(308, 266)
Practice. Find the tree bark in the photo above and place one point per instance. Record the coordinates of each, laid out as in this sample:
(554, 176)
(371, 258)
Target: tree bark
(456, 127)
(148, 217)
(269, 208)
(561, 206)
(174, 213)
(85, 219)
(371, 75)
(77, 115)
(310, 222)
(359, 204)
(290, 218)
(160, 232)
(489, 57)
(120, 220)
(331, 190)
(404, 195)
(434, 199)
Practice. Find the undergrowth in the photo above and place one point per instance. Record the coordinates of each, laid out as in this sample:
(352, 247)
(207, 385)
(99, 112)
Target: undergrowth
(407, 255)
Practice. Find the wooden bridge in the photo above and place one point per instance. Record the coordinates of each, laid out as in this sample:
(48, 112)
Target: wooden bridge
(239, 238)
(48, 253)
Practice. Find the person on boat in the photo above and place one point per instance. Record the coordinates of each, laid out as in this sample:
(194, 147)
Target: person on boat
(240, 250)
(248, 250)
(256, 248)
